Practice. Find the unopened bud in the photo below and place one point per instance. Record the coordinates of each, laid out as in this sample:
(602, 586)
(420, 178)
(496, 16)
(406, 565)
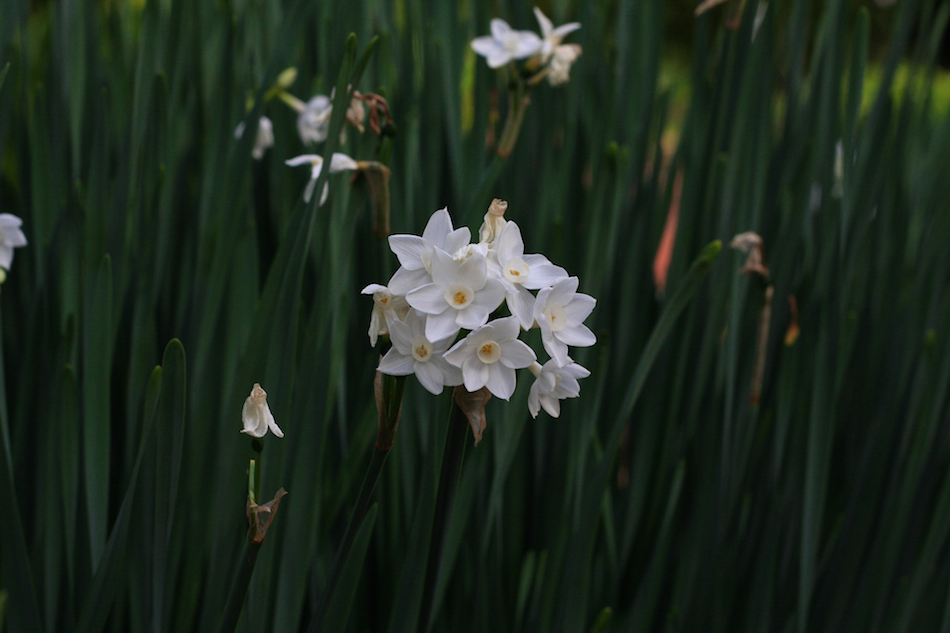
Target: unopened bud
(287, 78)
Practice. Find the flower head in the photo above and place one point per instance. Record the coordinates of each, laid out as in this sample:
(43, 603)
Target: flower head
(560, 312)
(256, 414)
(339, 162)
(386, 305)
(11, 236)
(415, 252)
(521, 273)
(263, 139)
(505, 44)
(489, 356)
(552, 36)
(313, 122)
(553, 384)
(413, 353)
(559, 70)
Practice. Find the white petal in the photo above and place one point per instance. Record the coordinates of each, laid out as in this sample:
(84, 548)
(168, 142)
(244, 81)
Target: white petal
(498, 58)
(395, 364)
(405, 281)
(528, 44)
(475, 374)
(408, 250)
(308, 192)
(455, 240)
(577, 336)
(438, 226)
(552, 405)
(563, 291)
(440, 326)
(271, 422)
(517, 355)
(505, 329)
(521, 304)
(534, 405)
(575, 371)
(510, 243)
(501, 381)
(490, 296)
(458, 353)
(499, 28)
(429, 299)
(485, 45)
(555, 348)
(341, 162)
(305, 159)
(370, 289)
(443, 268)
(6, 256)
(324, 193)
(546, 25)
(429, 377)
(564, 29)
(579, 308)
(474, 316)
(539, 303)
(541, 272)
(474, 272)
(401, 336)
(451, 375)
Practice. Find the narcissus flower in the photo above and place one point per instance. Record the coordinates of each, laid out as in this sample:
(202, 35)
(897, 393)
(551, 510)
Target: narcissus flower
(553, 384)
(415, 252)
(413, 353)
(386, 305)
(256, 414)
(263, 139)
(339, 162)
(559, 70)
(11, 236)
(522, 273)
(313, 122)
(505, 44)
(489, 356)
(560, 312)
(552, 36)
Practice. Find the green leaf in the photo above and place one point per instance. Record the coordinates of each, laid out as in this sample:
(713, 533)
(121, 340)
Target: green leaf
(338, 610)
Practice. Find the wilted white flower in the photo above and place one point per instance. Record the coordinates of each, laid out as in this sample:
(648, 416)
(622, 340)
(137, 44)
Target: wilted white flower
(494, 221)
(521, 273)
(560, 312)
(415, 252)
(264, 138)
(313, 122)
(385, 306)
(461, 295)
(559, 70)
(339, 162)
(413, 353)
(256, 415)
(552, 36)
(489, 356)
(505, 44)
(11, 236)
(553, 384)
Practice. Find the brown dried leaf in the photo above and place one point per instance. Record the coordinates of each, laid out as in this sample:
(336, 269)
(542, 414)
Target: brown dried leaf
(472, 405)
(259, 517)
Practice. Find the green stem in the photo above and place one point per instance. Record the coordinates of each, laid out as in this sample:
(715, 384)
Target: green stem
(448, 485)
(239, 588)
(251, 476)
(359, 511)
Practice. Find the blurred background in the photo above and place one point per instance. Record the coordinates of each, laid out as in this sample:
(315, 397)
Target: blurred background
(761, 445)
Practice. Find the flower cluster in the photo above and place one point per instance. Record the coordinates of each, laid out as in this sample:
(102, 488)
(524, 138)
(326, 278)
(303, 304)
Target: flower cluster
(445, 284)
(546, 51)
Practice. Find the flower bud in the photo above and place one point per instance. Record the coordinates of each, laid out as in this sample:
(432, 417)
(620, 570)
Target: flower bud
(494, 221)
(256, 414)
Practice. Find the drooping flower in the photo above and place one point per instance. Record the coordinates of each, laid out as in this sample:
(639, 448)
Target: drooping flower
(385, 306)
(522, 273)
(256, 414)
(553, 384)
(559, 70)
(489, 356)
(339, 162)
(560, 312)
(461, 295)
(552, 36)
(505, 44)
(413, 353)
(263, 139)
(313, 122)
(11, 236)
(415, 252)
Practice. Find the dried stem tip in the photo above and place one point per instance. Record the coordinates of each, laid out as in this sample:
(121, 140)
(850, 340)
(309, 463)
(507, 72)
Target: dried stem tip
(498, 207)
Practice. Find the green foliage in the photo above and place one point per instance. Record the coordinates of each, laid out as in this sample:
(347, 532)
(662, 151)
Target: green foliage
(664, 498)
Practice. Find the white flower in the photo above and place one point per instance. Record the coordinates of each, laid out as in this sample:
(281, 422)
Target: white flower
(554, 384)
(505, 44)
(11, 236)
(461, 295)
(256, 415)
(313, 122)
(559, 70)
(560, 313)
(489, 356)
(415, 253)
(413, 353)
(385, 305)
(552, 36)
(264, 138)
(339, 162)
(521, 273)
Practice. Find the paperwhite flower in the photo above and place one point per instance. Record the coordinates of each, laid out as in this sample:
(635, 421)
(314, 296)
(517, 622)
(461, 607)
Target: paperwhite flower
(552, 36)
(560, 312)
(313, 122)
(489, 356)
(385, 306)
(264, 138)
(559, 70)
(461, 295)
(522, 273)
(415, 253)
(413, 353)
(553, 384)
(339, 162)
(505, 44)
(256, 415)
(11, 236)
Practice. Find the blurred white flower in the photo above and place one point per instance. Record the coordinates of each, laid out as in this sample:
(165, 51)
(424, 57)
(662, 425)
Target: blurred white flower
(505, 44)
(489, 356)
(313, 122)
(256, 414)
(385, 306)
(413, 353)
(553, 384)
(559, 70)
(552, 36)
(415, 252)
(560, 312)
(264, 138)
(339, 162)
(11, 236)
(461, 295)
(521, 273)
